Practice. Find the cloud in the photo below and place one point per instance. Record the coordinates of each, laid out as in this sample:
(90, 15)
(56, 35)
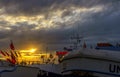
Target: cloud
(34, 7)
(53, 22)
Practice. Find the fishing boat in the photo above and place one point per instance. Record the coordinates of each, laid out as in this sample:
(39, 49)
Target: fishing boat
(108, 46)
(9, 70)
(91, 62)
(9, 65)
(85, 62)
(80, 62)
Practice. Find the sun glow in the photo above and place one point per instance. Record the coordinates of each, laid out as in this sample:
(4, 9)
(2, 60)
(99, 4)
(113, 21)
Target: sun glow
(32, 50)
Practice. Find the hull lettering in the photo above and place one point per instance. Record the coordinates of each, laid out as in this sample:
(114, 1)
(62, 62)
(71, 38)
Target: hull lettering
(114, 68)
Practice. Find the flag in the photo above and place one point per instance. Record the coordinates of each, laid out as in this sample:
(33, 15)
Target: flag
(13, 52)
(62, 53)
(7, 53)
(12, 46)
(19, 54)
(1, 52)
(13, 57)
(16, 54)
(11, 61)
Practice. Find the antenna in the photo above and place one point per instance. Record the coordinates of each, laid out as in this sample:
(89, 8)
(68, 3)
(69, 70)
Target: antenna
(77, 40)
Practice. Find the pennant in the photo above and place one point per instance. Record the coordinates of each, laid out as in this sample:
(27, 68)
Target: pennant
(11, 61)
(7, 53)
(13, 58)
(16, 54)
(12, 54)
(62, 53)
(7, 57)
(12, 46)
(19, 54)
(2, 53)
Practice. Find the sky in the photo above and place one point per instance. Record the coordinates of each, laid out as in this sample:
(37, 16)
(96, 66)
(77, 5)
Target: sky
(50, 24)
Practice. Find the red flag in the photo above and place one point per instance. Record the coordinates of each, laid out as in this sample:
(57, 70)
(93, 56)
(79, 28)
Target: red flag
(13, 58)
(11, 61)
(12, 46)
(61, 53)
(7, 53)
(2, 53)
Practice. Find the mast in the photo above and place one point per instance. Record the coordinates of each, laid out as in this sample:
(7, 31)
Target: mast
(77, 40)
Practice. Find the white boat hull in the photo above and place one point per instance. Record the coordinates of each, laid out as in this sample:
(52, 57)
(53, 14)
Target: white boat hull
(92, 65)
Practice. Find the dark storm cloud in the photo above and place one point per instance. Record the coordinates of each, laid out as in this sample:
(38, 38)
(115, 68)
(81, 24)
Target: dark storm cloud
(33, 7)
(103, 25)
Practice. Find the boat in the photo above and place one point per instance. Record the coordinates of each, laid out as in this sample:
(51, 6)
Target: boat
(80, 62)
(9, 70)
(91, 62)
(108, 46)
(84, 62)
(49, 70)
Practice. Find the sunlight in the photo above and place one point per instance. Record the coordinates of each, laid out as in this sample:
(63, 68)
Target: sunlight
(32, 50)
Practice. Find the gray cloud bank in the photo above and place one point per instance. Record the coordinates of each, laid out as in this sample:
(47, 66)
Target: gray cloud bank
(95, 26)
(33, 7)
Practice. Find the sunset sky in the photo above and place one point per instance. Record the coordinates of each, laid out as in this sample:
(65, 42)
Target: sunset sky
(51, 23)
